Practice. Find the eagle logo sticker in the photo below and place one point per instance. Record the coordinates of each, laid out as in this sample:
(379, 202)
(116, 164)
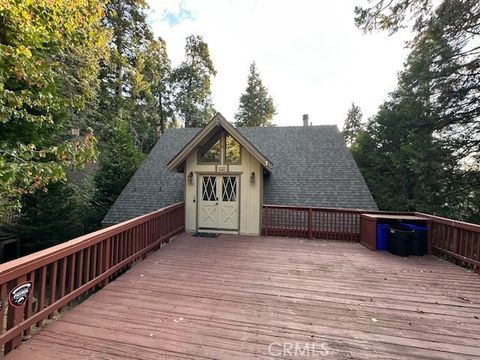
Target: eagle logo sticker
(19, 294)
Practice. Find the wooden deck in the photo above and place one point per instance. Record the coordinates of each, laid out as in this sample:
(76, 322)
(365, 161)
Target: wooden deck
(231, 297)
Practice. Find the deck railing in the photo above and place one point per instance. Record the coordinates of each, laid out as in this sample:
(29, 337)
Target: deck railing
(458, 241)
(54, 277)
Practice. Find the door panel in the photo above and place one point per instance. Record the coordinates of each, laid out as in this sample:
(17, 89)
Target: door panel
(208, 202)
(229, 203)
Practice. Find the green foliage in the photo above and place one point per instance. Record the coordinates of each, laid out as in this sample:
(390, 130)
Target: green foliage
(48, 68)
(403, 164)
(192, 81)
(121, 80)
(119, 159)
(256, 107)
(135, 82)
(447, 37)
(353, 124)
(51, 216)
(421, 151)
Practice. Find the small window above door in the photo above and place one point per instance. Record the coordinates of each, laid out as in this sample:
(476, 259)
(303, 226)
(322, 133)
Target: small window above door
(232, 150)
(211, 152)
(222, 148)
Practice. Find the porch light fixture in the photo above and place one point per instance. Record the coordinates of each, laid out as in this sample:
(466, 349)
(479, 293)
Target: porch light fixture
(252, 177)
(190, 177)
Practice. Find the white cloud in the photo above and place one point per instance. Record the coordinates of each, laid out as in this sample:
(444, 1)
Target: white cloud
(310, 55)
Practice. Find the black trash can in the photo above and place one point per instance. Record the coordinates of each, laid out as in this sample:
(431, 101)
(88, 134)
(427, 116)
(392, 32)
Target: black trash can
(400, 241)
(419, 244)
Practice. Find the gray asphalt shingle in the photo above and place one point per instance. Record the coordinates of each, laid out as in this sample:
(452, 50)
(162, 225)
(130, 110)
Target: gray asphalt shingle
(311, 167)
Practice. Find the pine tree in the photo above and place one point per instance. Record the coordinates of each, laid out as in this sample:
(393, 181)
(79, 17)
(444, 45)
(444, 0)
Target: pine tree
(256, 106)
(122, 83)
(446, 34)
(51, 216)
(192, 81)
(441, 74)
(353, 124)
(151, 94)
(158, 72)
(119, 159)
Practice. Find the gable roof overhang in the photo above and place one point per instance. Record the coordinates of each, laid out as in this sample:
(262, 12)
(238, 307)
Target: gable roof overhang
(218, 121)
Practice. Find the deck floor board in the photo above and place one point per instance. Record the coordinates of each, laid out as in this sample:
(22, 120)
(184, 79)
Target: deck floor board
(231, 297)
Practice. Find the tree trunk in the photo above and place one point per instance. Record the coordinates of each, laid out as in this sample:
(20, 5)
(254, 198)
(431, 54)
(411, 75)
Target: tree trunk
(162, 117)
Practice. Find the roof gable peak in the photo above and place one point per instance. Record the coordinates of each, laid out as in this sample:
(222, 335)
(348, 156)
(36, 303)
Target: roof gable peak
(218, 121)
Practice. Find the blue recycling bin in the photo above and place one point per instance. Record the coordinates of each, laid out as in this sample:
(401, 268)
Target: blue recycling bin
(382, 236)
(419, 239)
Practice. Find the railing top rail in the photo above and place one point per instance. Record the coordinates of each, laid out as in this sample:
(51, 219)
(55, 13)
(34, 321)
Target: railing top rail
(350, 210)
(14, 268)
(455, 223)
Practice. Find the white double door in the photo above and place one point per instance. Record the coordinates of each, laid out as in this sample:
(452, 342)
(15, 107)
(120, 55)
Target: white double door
(218, 202)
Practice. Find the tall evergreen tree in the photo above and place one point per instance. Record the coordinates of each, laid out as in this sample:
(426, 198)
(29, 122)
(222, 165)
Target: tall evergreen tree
(448, 33)
(256, 106)
(441, 75)
(192, 79)
(158, 72)
(405, 167)
(151, 94)
(122, 82)
(119, 159)
(353, 124)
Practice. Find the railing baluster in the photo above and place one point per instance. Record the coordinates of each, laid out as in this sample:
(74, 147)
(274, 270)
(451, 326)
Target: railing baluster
(86, 277)
(3, 305)
(94, 261)
(71, 280)
(41, 290)
(53, 284)
(105, 259)
(79, 269)
(310, 223)
(29, 302)
(63, 277)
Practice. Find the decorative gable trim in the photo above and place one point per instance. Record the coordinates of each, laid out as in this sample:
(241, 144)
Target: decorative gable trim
(217, 121)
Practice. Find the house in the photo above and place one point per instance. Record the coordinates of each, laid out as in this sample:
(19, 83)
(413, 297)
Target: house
(225, 174)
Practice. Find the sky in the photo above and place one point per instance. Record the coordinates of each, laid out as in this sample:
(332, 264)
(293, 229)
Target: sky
(310, 55)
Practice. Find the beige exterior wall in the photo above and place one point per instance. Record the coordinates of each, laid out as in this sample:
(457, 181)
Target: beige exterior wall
(249, 193)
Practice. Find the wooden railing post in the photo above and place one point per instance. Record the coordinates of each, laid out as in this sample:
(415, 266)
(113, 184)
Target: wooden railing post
(15, 316)
(429, 237)
(310, 223)
(266, 221)
(456, 242)
(106, 259)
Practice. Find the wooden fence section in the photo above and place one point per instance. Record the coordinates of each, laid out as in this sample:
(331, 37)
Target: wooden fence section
(311, 222)
(315, 222)
(62, 273)
(459, 241)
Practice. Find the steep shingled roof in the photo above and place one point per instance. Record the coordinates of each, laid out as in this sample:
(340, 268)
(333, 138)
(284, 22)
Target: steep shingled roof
(312, 167)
